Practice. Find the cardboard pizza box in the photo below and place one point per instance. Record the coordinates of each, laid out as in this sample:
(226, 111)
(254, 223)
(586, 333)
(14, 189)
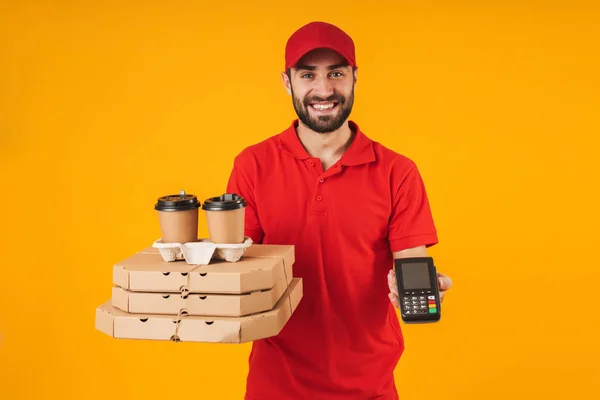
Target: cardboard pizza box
(207, 304)
(260, 268)
(188, 328)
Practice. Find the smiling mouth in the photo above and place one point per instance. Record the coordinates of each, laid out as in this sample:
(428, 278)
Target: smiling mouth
(323, 106)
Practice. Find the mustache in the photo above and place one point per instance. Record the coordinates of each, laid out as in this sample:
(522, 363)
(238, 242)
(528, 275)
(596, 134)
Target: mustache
(334, 97)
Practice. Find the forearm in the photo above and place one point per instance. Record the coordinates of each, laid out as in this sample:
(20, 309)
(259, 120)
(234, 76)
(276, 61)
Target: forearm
(419, 251)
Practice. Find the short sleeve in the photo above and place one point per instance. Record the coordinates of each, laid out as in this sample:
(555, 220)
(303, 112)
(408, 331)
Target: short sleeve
(242, 183)
(411, 221)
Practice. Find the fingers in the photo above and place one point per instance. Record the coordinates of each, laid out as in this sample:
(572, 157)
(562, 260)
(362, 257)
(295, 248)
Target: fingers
(444, 281)
(392, 282)
(395, 300)
(393, 295)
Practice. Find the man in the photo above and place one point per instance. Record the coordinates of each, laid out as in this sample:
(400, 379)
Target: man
(349, 206)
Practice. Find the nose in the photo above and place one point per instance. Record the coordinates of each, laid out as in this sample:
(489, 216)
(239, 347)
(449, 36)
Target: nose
(323, 87)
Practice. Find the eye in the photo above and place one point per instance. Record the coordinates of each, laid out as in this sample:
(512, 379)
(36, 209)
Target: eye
(337, 74)
(306, 76)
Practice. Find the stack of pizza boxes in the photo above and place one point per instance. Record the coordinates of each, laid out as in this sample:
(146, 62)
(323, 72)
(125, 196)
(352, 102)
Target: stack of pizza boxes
(202, 292)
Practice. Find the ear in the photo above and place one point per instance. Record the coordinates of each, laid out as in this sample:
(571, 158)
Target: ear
(286, 83)
(355, 75)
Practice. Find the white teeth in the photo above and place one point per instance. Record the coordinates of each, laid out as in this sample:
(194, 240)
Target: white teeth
(323, 106)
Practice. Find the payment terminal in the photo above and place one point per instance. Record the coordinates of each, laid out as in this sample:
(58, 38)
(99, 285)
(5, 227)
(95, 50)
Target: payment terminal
(418, 290)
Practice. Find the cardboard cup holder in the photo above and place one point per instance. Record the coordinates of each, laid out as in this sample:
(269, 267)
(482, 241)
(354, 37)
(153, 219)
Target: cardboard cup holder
(202, 251)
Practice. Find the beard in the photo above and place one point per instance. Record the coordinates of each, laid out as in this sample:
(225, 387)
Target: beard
(324, 123)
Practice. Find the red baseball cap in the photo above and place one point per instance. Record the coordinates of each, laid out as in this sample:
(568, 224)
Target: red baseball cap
(318, 35)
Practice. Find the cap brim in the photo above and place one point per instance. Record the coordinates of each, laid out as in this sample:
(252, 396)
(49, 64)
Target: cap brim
(294, 61)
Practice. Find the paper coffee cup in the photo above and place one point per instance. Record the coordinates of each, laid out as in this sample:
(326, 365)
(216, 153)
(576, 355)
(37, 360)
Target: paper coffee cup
(225, 216)
(178, 217)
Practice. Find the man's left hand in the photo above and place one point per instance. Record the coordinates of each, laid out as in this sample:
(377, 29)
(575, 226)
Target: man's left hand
(444, 283)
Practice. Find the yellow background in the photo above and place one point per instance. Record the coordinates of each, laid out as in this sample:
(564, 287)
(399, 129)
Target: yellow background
(103, 108)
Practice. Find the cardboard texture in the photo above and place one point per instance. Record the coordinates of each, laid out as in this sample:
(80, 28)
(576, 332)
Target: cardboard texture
(233, 305)
(261, 267)
(120, 324)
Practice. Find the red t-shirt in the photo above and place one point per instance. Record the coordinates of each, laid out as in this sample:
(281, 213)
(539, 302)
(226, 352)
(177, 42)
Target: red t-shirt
(344, 339)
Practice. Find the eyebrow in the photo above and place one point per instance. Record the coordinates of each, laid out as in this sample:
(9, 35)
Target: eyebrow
(313, 67)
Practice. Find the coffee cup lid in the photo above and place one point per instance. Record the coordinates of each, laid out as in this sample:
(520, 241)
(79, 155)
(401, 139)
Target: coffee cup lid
(225, 202)
(177, 202)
